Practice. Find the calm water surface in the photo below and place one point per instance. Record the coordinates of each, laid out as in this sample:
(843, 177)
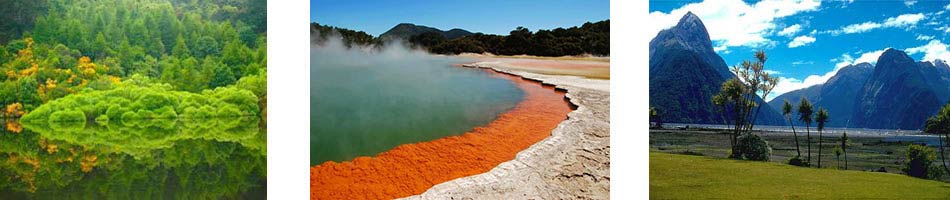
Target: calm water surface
(364, 103)
(152, 159)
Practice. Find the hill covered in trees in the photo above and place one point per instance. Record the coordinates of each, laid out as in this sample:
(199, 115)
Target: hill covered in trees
(406, 30)
(587, 39)
(320, 33)
(79, 46)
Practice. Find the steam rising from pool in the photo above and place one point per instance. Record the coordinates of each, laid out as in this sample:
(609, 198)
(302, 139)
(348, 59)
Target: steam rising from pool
(367, 100)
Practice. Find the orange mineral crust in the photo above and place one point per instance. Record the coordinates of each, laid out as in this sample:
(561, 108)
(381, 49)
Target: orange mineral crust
(411, 169)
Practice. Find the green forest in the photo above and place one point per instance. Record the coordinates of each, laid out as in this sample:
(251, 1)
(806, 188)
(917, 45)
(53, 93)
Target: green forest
(587, 39)
(127, 99)
(212, 52)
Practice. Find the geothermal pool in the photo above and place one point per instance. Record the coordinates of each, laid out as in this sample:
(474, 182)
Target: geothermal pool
(366, 102)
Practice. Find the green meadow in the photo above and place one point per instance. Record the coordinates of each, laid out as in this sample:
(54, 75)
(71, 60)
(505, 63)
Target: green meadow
(674, 176)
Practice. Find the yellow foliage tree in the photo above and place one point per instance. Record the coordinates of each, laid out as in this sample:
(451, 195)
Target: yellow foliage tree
(45, 90)
(14, 110)
(14, 126)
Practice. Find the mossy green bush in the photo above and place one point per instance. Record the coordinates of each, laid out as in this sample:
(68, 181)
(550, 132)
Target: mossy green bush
(753, 147)
(920, 162)
(150, 101)
(67, 116)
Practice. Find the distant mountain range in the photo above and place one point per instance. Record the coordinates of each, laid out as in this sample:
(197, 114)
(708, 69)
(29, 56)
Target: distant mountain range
(896, 93)
(837, 95)
(407, 30)
(685, 73)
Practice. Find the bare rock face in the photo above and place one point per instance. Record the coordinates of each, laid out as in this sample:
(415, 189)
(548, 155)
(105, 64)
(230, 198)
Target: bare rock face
(572, 163)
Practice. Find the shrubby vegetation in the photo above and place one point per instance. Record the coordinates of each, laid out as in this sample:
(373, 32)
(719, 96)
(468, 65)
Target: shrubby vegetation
(589, 38)
(920, 162)
(753, 147)
(75, 45)
(130, 101)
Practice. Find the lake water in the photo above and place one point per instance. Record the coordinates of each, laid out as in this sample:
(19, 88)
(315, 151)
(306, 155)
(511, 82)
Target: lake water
(164, 159)
(364, 103)
(888, 135)
(801, 129)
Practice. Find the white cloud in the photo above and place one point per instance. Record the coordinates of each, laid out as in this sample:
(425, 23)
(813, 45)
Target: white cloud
(909, 3)
(790, 30)
(802, 62)
(772, 72)
(924, 37)
(947, 7)
(868, 57)
(905, 20)
(860, 28)
(932, 51)
(791, 84)
(734, 22)
(945, 29)
(801, 41)
(721, 49)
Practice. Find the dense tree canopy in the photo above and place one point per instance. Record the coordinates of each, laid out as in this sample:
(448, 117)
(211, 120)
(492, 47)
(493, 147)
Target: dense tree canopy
(18, 17)
(77, 45)
(590, 38)
(320, 33)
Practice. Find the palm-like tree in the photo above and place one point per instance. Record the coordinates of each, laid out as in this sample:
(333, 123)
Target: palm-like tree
(844, 148)
(821, 118)
(787, 111)
(940, 124)
(804, 114)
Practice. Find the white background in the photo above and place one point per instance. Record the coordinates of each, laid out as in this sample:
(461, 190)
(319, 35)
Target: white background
(288, 101)
(288, 138)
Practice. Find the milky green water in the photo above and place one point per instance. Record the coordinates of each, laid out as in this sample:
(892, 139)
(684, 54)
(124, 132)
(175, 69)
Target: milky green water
(362, 104)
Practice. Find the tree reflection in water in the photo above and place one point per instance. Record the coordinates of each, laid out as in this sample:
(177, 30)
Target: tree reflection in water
(165, 159)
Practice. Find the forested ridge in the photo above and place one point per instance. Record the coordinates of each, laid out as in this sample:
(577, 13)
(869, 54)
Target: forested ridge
(92, 47)
(587, 39)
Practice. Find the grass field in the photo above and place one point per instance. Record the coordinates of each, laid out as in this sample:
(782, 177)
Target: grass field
(864, 153)
(674, 176)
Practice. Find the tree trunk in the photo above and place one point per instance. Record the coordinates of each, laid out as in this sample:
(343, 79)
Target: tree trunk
(797, 147)
(755, 117)
(943, 151)
(845, 150)
(819, 148)
(808, 140)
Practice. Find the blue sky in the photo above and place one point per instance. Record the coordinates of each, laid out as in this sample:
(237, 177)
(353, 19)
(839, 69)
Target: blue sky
(808, 41)
(491, 16)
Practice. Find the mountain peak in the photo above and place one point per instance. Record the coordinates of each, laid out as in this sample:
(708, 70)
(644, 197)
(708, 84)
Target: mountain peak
(689, 17)
(864, 65)
(692, 23)
(892, 55)
(940, 63)
(690, 34)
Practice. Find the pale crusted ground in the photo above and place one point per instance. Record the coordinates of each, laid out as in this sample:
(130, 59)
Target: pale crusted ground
(573, 163)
